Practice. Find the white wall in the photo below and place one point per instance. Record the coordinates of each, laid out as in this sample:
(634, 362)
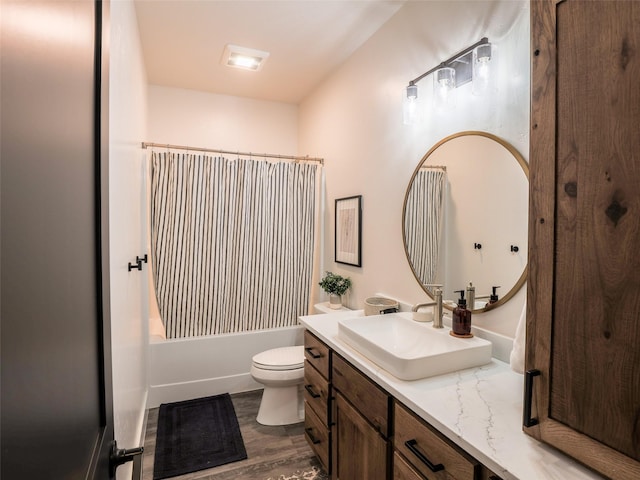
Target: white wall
(354, 121)
(199, 119)
(129, 326)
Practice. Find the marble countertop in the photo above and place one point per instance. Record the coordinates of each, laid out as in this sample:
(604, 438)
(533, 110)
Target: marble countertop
(480, 409)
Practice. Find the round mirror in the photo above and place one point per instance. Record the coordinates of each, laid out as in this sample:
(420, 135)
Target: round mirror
(465, 219)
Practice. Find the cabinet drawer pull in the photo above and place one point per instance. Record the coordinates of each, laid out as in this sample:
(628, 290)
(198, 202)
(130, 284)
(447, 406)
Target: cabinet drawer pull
(313, 439)
(309, 388)
(527, 421)
(412, 445)
(313, 355)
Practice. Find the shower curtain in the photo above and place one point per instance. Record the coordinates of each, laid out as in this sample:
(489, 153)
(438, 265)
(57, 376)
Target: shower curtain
(423, 222)
(232, 242)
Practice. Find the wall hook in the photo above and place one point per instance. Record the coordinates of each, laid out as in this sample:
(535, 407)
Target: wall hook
(142, 259)
(514, 248)
(135, 266)
(477, 246)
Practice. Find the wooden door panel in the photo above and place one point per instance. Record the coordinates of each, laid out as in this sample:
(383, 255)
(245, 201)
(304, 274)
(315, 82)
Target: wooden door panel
(583, 284)
(595, 382)
(361, 451)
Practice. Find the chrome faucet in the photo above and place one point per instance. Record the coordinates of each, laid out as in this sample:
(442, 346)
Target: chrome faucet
(437, 305)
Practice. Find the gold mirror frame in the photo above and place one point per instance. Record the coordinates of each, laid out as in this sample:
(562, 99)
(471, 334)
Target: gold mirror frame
(525, 168)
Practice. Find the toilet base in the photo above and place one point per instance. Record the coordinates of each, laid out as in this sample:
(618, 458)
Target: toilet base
(281, 406)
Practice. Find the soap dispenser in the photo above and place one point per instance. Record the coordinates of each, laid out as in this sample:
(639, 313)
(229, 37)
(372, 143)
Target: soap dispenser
(461, 320)
(471, 296)
(493, 298)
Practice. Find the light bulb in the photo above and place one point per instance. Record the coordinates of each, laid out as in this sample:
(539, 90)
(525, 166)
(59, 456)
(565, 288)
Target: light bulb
(410, 105)
(244, 61)
(444, 84)
(481, 69)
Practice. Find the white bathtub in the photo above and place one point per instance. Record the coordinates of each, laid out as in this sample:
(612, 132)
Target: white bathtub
(181, 369)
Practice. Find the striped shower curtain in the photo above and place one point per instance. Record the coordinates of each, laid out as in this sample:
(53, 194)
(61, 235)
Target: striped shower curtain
(232, 242)
(423, 222)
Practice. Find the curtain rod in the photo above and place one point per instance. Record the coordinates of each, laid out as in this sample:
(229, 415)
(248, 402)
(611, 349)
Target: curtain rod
(241, 154)
(434, 167)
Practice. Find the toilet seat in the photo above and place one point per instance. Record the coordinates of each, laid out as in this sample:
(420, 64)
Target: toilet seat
(280, 359)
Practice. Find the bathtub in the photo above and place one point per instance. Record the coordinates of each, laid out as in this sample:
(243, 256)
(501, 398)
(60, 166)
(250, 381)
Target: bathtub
(186, 368)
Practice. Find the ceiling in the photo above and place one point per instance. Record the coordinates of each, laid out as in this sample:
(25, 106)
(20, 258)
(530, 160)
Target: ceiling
(183, 42)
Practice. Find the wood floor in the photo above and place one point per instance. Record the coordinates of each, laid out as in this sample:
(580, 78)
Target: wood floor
(273, 453)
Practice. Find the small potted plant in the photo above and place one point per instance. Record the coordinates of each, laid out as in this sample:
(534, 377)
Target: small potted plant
(336, 286)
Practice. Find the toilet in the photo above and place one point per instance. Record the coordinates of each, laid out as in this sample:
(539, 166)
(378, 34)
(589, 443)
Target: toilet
(281, 371)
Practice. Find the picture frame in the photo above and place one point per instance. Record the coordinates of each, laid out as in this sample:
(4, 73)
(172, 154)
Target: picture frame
(348, 230)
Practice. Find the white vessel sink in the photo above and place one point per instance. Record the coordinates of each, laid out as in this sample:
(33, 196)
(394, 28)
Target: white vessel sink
(410, 350)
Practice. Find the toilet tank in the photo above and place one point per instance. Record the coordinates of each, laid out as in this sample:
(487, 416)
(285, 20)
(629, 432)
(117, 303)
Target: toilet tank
(324, 308)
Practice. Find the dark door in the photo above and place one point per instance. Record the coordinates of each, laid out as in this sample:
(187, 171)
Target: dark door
(55, 347)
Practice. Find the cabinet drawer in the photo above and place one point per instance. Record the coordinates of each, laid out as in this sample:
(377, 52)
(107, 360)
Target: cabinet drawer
(316, 392)
(428, 451)
(371, 400)
(402, 470)
(318, 436)
(488, 474)
(316, 353)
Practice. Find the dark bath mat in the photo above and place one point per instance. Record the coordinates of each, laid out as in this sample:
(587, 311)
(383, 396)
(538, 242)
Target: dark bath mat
(197, 434)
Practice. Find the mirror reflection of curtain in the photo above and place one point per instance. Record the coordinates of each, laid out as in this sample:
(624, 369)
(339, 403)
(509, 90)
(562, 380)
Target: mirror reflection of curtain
(232, 242)
(424, 217)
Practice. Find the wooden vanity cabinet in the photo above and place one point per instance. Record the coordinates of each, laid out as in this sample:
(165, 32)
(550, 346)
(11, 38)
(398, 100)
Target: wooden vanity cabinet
(353, 426)
(317, 398)
(583, 331)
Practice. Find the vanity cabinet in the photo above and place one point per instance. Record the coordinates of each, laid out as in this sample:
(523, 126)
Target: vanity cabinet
(582, 356)
(353, 426)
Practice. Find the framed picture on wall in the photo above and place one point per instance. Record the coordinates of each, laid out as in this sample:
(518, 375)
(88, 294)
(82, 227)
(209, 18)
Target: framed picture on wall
(348, 230)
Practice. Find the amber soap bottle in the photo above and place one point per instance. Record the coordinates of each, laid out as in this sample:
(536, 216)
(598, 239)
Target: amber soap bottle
(461, 320)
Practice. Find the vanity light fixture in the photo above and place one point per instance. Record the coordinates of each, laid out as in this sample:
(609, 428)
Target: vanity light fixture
(244, 58)
(471, 64)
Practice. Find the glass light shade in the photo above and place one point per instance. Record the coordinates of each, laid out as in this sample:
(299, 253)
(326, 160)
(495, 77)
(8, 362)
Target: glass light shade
(481, 69)
(410, 106)
(444, 84)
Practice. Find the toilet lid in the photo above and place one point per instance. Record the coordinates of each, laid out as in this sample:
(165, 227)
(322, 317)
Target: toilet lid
(284, 358)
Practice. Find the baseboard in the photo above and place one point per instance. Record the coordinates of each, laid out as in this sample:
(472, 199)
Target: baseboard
(176, 392)
(137, 460)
